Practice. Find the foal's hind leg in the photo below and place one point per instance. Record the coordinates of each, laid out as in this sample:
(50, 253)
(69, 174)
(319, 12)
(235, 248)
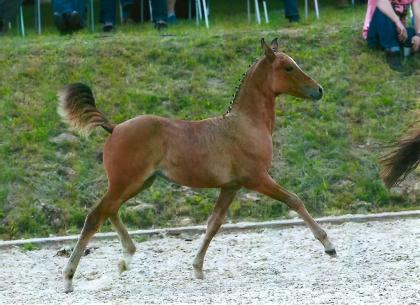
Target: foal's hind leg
(96, 217)
(270, 188)
(128, 246)
(215, 221)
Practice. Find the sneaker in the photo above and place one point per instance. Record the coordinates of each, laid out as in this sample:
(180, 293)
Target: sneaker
(172, 19)
(394, 61)
(159, 25)
(74, 21)
(108, 27)
(60, 23)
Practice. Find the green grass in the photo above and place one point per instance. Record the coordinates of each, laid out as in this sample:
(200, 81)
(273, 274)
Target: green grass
(326, 152)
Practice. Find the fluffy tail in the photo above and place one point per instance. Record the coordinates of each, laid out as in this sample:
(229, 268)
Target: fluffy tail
(76, 106)
(405, 157)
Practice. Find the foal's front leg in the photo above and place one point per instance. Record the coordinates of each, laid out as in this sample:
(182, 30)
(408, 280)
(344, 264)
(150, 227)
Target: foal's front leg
(215, 221)
(269, 187)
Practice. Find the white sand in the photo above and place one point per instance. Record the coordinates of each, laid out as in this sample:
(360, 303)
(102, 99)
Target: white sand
(377, 263)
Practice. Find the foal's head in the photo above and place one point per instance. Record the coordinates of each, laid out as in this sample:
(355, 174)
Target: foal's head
(286, 77)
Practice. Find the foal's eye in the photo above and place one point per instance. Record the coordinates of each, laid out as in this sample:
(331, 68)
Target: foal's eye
(289, 69)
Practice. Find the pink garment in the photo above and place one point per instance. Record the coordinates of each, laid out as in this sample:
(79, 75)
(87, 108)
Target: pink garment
(399, 6)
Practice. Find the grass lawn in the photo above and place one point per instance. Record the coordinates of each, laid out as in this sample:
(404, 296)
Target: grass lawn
(326, 152)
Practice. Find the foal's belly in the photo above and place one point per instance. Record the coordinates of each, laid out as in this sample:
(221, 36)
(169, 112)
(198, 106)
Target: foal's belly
(200, 171)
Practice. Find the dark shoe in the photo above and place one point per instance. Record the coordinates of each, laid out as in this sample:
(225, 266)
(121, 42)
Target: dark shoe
(293, 18)
(60, 23)
(160, 25)
(394, 61)
(108, 27)
(74, 21)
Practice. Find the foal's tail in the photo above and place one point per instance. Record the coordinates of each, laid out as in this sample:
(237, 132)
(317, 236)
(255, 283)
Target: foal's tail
(76, 106)
(405, 157)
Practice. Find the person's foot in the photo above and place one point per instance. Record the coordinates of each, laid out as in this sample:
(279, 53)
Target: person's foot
(108, 27)
(171, 18)
(160, 24)
(393, 58)
(74, 21)
(293, 18)
(60, 23)
(343, 3)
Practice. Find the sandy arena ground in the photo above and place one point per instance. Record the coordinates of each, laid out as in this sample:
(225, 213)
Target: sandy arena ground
(377, 263)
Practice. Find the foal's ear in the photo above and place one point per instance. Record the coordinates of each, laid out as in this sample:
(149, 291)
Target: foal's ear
(269, 53)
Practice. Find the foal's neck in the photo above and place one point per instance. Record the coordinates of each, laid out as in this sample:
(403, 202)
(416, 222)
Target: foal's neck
(255, 99)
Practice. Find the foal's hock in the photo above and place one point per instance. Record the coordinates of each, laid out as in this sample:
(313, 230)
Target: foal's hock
(227, 152)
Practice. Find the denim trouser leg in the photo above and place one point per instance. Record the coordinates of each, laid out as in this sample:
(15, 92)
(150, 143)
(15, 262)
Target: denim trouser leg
(290, 9)
(67, 6)
(63, 6)
(383, 33)
(108, 11)
(159, 10)
(125, 4)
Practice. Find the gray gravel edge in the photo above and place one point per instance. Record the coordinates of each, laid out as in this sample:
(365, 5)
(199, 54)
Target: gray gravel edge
(278, 224)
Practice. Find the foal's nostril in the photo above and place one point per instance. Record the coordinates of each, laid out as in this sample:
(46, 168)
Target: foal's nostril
(321, 91)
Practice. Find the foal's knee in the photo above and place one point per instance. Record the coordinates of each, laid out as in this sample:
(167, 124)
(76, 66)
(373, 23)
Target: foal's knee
(295, 203)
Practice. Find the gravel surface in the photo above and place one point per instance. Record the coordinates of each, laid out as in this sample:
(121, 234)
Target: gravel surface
(377, 263)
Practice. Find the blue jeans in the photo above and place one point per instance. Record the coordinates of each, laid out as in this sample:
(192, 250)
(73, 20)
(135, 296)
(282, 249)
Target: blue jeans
(68, 6)
(383, 33)
(290, 10)
(109, 10)
(159, 10)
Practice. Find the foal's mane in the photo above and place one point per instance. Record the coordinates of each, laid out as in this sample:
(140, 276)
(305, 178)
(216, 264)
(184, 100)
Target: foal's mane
(241, 81)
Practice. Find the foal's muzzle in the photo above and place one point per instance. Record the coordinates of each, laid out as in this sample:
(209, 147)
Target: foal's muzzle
(315, 93)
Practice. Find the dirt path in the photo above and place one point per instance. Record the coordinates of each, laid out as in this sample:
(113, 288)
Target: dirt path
(377, 263)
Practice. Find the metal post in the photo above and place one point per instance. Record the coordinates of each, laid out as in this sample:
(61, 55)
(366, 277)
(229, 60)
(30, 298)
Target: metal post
(141, 11)
(121, 13)
(306, 9)
(257, 12)
(189, 9)
(265, 11)
(151, 10)
(38, 16)
(197, 17)
(316, 9)
(248, 9)
(206, 18)
(22, 24)
(92, 16)
(200, 14)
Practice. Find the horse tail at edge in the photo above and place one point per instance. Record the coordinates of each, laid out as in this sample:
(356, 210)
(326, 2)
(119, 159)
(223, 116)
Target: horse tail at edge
(403, 159)
(76, 107)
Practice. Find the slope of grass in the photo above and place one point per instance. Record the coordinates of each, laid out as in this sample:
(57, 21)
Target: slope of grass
(326, 152)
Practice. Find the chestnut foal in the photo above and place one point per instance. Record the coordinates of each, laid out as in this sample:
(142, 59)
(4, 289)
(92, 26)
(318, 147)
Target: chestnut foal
(227, 152)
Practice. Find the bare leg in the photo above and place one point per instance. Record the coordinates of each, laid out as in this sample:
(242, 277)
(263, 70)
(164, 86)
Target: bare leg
(94, 220)
(128, 246)
(171, 7)
(215, 221)
(270, 188)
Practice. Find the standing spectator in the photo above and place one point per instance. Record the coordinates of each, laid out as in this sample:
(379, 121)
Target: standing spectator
(68, 15)
(290, 10)
(8, 10)
(108, 12)
(160, 13)
(384, 27)
(171, 11)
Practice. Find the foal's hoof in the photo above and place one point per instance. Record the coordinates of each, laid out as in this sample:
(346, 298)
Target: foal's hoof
(122, 266)
(199, 275)
(331, 252)
(68, 287)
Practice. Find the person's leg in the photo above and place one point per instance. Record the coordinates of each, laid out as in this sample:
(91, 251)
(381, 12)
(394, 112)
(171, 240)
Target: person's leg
(62, 6)
(107, 15)
(159, 11)
(383, 33)
(290, 10)
(171, 11)
(126, 9)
